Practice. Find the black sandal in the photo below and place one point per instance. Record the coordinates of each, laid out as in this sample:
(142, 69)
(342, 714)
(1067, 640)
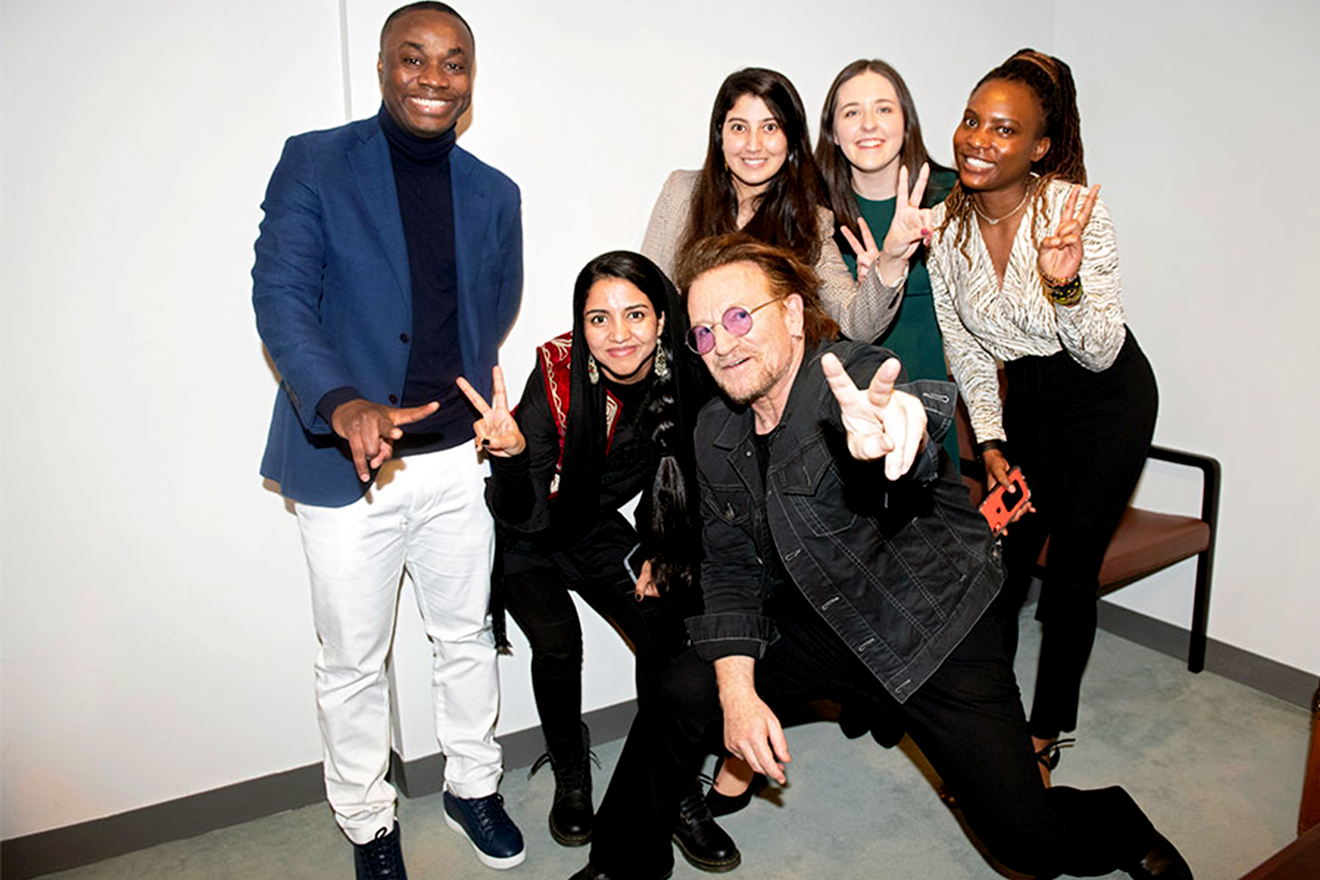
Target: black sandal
(1049, 755)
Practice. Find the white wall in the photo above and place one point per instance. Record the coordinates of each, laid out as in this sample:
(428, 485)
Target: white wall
(1189, 112)
(154, 625)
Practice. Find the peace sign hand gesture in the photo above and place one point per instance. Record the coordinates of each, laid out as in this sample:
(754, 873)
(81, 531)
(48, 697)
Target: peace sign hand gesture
(880, 421)
(1060, 255)
(497, 431)
(910, 227)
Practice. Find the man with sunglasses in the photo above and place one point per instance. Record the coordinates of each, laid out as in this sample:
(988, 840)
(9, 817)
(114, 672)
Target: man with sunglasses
(842, 560)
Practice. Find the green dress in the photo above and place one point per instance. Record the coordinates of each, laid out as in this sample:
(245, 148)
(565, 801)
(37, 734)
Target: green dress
(915, 335)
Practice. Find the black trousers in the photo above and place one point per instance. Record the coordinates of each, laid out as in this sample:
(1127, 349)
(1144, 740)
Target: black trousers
(536, 587)
(1081, 440)
(967, 720)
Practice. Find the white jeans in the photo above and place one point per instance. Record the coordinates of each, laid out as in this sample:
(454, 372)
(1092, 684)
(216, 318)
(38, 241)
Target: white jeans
(426, 516)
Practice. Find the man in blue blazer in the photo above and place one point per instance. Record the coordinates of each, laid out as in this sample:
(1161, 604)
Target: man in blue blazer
(389, 264)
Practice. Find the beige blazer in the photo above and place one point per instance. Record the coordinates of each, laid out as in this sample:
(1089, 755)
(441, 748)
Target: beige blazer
(864, 311)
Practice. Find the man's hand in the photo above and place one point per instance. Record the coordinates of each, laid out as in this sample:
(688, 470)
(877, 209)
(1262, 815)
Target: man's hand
(371, 429)
(751, 730)
(881, 422)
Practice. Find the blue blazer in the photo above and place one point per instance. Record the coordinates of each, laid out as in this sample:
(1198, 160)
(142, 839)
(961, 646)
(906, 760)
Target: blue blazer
(333, 295)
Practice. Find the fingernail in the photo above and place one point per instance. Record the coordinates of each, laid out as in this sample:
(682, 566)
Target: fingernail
(925, 233)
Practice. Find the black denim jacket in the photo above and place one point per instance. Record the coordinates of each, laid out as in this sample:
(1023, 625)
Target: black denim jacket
(900, 570)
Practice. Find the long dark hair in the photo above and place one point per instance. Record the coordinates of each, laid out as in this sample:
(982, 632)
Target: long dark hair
(1051, 80)
(786, 213)
(834, 165)
(667, 417)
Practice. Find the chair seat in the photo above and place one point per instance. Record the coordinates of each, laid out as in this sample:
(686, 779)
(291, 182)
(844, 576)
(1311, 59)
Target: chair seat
(1146, 541)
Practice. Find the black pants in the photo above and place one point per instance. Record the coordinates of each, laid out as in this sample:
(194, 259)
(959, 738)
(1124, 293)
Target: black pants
(1081, 440)
(967, 719)
(536, 587)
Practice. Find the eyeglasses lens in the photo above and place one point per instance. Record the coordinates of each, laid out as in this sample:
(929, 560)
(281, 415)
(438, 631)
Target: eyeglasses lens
(738, 321)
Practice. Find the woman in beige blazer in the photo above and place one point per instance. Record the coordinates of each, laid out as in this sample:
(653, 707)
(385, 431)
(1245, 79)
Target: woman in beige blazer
(760, 178)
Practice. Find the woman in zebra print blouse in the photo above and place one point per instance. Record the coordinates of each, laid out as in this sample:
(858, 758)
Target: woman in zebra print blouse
(1024, 270)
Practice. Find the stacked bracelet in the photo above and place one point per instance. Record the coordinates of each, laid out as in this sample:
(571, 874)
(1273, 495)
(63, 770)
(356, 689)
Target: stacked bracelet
(1063, 293)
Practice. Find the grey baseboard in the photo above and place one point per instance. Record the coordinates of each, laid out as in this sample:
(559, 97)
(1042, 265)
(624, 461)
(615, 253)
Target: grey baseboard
(1269, 676)
(62, 848)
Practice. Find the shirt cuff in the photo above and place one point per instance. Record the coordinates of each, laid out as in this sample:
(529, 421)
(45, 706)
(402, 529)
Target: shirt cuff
(731, 634)
(333, 399)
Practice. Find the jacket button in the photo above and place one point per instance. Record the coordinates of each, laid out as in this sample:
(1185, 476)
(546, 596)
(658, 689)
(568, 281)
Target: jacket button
(403, 337)
(394, 399)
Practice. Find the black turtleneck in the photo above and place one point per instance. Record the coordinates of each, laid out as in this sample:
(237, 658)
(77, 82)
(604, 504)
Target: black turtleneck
(426, 207)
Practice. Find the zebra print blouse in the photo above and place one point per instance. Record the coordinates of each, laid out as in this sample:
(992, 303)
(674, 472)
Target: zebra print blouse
(981, 321)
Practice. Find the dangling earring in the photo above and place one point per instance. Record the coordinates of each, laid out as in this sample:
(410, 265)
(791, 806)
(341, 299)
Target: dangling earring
(661, 363)
(592, 373)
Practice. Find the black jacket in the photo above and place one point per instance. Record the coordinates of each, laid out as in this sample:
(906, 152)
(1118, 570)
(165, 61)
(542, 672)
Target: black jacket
(901, 571)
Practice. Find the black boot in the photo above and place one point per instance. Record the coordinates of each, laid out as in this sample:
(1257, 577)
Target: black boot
(570, 815)
(703, 843)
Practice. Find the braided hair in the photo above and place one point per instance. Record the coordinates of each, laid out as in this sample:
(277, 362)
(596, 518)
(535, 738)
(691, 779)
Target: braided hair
(1051, 80)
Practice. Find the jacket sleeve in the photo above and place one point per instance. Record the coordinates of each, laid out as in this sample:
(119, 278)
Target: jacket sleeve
(287, 289)
(669, 219)
(509, 295)
(864, 309)
(731, 579)
(518, 492)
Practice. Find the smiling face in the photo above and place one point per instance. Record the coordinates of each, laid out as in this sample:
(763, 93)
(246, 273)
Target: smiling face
(621, 328)
(868, 127)
(762, 364)
(426, 68)
(1001, 135)
(753, 143)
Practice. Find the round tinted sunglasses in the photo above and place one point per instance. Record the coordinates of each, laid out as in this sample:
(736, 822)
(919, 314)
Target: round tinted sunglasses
(737, 320)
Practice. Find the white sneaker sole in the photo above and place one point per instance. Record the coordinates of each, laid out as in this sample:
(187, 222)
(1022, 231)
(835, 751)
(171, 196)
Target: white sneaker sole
(499, 864)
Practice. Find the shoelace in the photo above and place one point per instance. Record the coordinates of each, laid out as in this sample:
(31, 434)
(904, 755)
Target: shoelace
(569, 777)
(382, 857)
(692, 809)
(489, 813)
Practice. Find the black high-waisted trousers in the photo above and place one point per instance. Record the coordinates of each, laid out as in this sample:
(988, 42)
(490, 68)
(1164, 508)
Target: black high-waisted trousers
(1081, 440)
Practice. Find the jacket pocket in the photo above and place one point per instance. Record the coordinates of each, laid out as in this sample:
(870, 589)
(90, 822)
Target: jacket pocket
(809, 480)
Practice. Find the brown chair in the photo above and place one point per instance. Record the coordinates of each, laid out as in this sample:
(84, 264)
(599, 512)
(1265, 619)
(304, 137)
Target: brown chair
(1309, 816)
(1146, 540)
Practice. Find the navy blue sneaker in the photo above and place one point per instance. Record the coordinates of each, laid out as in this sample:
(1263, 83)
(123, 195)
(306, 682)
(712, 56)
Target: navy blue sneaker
(497, 841)
(380, 859)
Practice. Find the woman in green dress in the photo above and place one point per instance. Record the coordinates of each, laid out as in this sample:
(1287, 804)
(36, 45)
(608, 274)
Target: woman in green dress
(869, 131)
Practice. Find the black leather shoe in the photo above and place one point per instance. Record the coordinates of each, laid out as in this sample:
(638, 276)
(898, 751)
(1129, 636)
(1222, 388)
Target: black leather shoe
(1163, 861)
(380, 859)
(703, 843)
(570, 814)
(591, 872)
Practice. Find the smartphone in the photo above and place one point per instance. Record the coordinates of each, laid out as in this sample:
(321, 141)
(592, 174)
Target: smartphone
(1001, 504)
(632, 563)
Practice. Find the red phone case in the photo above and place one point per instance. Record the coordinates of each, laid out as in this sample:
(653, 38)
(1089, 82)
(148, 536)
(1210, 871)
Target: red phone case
(993, 508)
